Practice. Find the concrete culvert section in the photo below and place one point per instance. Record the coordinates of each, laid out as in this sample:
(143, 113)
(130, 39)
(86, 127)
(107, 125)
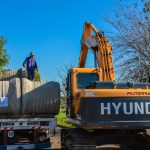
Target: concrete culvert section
(10, 97)
(20, 97)
(40, 97)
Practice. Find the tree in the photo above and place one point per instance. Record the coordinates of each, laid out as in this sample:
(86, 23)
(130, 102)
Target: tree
(130, 39)
(62, 75)
(4, 58)
(37, 76)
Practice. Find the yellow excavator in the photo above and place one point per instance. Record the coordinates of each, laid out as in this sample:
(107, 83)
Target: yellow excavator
(104, 111)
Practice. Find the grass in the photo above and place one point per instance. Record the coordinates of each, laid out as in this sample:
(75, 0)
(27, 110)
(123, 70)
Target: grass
(62, 119)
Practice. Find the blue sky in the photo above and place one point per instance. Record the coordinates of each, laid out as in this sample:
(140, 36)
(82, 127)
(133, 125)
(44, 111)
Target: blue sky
(50, 28)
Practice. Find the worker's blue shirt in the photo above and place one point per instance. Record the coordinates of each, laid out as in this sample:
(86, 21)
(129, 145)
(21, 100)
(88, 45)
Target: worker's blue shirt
(30, 64)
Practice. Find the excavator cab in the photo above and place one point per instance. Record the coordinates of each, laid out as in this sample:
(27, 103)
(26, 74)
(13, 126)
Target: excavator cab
(77, 80)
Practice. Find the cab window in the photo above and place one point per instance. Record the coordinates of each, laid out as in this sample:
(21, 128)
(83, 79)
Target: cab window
(85, 79)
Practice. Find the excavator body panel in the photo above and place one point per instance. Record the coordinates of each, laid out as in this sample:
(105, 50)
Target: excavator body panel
(96, 104)
(114, 113)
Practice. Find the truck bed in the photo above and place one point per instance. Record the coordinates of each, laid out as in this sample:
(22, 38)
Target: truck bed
(26, 133)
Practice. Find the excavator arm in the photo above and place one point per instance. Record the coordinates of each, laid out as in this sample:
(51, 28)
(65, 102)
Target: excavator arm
(95, 41)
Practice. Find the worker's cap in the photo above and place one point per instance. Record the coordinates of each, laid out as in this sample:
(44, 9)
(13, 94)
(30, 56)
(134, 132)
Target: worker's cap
(32, 53)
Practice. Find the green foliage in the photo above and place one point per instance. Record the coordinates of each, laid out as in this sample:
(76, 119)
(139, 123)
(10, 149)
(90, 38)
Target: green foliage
(3, 70)
(4, 58)
(37, 76)
(62, 119)
(4, 73)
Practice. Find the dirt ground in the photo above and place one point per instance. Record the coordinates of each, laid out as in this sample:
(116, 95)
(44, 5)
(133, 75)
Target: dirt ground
(56, 143)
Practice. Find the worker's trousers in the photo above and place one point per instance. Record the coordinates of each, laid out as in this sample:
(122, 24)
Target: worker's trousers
(30, 74)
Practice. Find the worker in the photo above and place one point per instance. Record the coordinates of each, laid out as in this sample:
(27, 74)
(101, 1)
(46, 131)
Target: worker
(30, 65)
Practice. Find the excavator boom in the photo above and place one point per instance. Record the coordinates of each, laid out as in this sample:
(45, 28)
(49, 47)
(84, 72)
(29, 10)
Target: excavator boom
(95, 41)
